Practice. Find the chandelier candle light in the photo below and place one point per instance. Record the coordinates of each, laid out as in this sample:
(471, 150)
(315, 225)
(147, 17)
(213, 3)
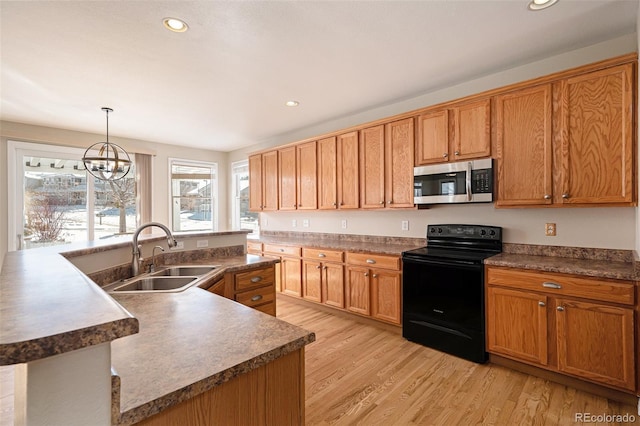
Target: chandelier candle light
(111, 162)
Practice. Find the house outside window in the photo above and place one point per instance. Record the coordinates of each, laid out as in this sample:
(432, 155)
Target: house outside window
(194, 190)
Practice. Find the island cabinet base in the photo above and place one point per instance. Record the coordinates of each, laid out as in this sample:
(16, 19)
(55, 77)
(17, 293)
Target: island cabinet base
(269, 395)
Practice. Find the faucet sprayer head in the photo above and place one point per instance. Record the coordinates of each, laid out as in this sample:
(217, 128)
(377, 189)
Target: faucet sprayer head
(172, 242)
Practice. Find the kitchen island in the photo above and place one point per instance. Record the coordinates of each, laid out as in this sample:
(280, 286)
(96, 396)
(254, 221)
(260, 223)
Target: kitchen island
(182, 347)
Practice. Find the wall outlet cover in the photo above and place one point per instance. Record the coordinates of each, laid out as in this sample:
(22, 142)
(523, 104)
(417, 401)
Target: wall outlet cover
(179, 246)
(344, 224)
(550, 229)
(294, 223)
(305, 223)
(202, 243)
(405, 225)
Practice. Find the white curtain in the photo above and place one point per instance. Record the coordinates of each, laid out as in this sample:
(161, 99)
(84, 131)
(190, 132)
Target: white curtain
(144, 169)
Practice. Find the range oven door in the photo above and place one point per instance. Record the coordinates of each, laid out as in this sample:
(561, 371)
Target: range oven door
(443, 306)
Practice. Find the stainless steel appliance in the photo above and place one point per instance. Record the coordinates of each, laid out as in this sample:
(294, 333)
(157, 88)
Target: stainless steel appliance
(461, 182)
(443, 289)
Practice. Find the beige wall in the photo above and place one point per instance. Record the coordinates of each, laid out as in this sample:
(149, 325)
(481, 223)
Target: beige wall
(588, 227)
(162, 153)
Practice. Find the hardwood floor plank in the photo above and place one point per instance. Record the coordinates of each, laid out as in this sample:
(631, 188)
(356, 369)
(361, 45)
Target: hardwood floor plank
(359, 374)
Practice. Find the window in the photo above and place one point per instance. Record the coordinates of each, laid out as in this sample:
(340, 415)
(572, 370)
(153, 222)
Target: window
(53, 200)
(242, 218)
(194, 190)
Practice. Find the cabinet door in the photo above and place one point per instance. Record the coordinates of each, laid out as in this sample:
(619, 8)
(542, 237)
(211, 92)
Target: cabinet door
(287, 178)
(290, 276)
(372, 168)
(597, 126)
(385, 296)
(596, 342)
(348, 171)
(270, 181)
(327, 174)
(312, 281)
(471, 130)
(399, 163)
(307, 176)
(255, 183)
(517, 324)
(433, 138)
(333, 284)
(524, 150)
(357, 287)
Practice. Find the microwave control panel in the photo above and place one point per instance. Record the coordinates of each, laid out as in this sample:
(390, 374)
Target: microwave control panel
(482, 181)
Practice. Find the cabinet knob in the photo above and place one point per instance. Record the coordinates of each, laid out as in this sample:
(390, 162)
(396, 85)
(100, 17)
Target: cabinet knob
(375, 275)
(445, 155)
(391, 202)
(457, 153)
(335, 204)
(560, 308)
(326, 267)
(319, 267)
(541, 303)
(547, 196)
(565, 196)
(366, 274)
(382, 202)
(342, 203)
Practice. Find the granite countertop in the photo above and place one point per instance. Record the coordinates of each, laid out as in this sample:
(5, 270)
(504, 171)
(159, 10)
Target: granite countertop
(35, 283)
(169, 361)
(588, 267)
(386, 245)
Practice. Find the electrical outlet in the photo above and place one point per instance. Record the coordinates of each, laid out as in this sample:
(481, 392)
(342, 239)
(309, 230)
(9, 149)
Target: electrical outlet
(305, 223)
(202, 243)
(405, 225)
(178, 246)
(344, 223)
(294, 223)
(550, 229)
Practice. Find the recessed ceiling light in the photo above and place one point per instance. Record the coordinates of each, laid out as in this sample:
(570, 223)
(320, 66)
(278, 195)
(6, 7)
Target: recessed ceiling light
(541, 4)
(292, 103)
(176, 25)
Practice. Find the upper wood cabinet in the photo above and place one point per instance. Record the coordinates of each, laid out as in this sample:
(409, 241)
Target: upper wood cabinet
(298, 179)
(459, 132)
(372, 168)
(307, 177)
(523, 147)
(386, 168)
(568, 143)
(399, 167)
(596, 126)
(327, 174)
(263, 181)
(348, 176)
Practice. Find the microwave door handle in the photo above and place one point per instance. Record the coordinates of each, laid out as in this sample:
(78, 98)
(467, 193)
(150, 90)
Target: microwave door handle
(469, 195)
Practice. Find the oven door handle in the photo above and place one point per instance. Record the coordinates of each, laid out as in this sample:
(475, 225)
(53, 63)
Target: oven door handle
(457, 263)
(469, 195)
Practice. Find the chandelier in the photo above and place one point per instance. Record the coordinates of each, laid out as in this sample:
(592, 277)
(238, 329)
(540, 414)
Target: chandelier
(111, 161)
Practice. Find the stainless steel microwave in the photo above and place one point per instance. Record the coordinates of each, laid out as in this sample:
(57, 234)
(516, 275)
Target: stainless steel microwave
(460, 182)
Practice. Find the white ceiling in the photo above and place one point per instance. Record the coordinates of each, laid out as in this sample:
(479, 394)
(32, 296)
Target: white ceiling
(222, 84)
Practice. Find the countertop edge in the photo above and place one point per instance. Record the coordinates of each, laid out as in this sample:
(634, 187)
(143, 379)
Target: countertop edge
(160, 404)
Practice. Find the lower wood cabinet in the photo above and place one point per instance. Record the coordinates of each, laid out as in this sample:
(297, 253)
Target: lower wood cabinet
(564, 327)
(289, 276)
(323, 276)
(253, 287)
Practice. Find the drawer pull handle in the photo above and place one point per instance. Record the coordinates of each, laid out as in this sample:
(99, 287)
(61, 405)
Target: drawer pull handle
(256, 279)
(281, 250)
(371, 261)
(256, 298)
(560, 308)
(541, 303)
(322, 255)
(548, 284)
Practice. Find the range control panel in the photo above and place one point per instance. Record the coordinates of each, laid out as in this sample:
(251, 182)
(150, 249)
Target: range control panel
(472, 232)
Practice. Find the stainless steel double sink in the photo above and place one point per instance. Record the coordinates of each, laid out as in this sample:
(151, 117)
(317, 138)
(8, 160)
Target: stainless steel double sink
(169, 280)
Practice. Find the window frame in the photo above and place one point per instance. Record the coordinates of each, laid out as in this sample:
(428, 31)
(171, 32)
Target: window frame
(213, 165)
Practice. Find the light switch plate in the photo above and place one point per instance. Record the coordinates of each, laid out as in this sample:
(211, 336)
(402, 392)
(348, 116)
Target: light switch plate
(405, 225)
(344, 223)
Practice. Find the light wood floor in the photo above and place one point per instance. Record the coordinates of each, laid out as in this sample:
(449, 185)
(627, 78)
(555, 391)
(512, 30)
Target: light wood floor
(358, 374)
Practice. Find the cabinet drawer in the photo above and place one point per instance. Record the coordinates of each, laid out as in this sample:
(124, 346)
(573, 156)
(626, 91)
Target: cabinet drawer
(323, 255)
(254, 247)
(374, 260)
(255, 278)
(269, 308)
(615, 291)
(256, 297)
(282, 250)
